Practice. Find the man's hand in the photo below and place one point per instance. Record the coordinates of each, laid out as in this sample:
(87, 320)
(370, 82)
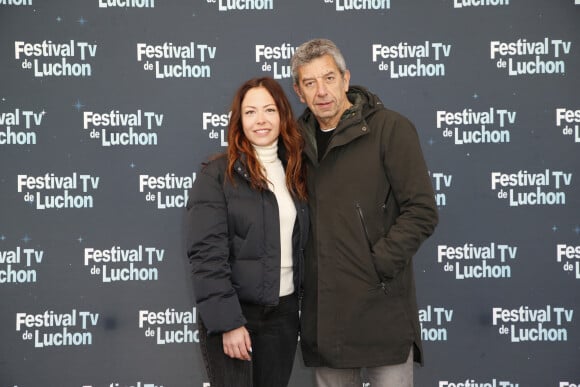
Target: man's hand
(237, 343)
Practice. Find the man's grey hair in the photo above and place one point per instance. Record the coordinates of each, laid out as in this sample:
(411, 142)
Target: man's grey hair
(314, 49)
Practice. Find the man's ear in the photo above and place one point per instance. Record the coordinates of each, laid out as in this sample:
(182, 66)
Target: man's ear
(346, 80)
(299, 93)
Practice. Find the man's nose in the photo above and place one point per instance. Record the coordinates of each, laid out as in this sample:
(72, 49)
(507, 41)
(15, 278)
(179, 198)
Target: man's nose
(320, 88)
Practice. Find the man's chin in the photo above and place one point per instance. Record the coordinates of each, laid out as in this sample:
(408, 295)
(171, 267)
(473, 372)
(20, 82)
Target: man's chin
(323, 113)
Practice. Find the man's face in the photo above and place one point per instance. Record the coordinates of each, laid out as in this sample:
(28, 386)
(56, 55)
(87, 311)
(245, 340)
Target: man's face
(323, 89)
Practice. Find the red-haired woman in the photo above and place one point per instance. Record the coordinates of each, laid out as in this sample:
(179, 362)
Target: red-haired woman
(248, 225)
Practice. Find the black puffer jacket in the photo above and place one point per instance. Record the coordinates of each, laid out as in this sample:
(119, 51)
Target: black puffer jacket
(234, 245)
(371, 207)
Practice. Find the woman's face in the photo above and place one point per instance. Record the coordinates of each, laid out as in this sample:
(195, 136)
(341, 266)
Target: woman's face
(260, 117)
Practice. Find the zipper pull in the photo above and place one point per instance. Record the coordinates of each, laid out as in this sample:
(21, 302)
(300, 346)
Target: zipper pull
(384, 287)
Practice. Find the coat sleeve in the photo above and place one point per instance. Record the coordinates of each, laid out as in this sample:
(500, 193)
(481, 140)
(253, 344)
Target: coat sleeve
(208, 252)
(412, 189)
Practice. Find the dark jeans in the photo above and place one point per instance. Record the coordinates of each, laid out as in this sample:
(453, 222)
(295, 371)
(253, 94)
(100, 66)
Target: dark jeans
(274, 334)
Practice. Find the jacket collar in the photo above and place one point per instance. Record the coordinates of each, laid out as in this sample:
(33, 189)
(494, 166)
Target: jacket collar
(240, 165)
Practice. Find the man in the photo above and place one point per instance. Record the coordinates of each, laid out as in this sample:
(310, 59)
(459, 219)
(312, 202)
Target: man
(372, 205)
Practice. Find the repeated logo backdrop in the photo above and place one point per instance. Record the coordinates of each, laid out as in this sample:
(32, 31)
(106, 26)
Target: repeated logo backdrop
(107, 108)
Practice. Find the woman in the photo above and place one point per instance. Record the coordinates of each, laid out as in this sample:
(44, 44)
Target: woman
(249, 223)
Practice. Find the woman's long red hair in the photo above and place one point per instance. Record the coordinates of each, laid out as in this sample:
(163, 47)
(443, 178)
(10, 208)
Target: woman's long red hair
(291, 139)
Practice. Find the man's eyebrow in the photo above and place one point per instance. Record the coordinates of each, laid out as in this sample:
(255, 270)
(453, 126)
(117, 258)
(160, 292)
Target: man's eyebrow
(331, 72)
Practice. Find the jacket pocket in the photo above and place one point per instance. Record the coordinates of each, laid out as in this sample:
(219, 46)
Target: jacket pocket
(381, 282)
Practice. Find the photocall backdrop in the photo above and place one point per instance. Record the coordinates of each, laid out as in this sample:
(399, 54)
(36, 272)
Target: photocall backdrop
(108, 107)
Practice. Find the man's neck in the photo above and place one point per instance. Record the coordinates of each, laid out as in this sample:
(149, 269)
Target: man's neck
(333, 123)
(327, 125)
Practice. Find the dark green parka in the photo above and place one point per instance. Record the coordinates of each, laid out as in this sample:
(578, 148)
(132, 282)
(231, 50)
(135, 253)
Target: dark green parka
(371, 206)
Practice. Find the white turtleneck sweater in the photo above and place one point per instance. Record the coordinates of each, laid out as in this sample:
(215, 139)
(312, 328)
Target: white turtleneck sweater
(268, 157)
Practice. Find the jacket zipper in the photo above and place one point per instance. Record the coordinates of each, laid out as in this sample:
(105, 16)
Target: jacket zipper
(382, 283)
(364, 226)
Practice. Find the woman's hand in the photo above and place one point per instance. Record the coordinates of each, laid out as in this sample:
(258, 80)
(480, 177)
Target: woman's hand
(237, 343)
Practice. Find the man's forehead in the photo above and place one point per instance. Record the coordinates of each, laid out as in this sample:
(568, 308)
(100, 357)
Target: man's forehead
(318, 67)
